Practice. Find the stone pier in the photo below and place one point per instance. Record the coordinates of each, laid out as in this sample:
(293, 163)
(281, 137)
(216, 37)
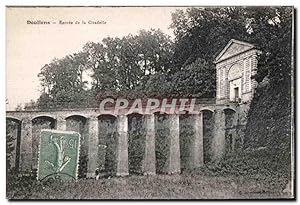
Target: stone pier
(218, 143)
(197, 148)
(122, 150)
(93, 142)
(173, 161)
(26, 145)
(149, 157)
(61, 124)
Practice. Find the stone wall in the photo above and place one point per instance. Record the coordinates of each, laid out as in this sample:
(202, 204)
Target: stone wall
(109, 142)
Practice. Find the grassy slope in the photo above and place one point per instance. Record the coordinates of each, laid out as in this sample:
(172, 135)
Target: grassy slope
(269, 125)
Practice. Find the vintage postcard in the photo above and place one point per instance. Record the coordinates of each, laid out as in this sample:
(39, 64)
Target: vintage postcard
(150, 103)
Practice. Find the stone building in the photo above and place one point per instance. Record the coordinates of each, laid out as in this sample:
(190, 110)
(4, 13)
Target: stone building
(236, 65)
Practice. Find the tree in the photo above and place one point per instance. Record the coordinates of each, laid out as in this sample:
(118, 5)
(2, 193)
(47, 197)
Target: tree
(196, 80)
(274, 33)
(122, 65)
(62, 83)
(271, 31)
(32, 105)
(203, 32)
(155, 51)
(19, 107)
(119, 67)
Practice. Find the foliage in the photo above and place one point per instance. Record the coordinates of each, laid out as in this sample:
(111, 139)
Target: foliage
(270, 117)
(203, 32)
(10, 143)
(136, 143)
(121, 64)
(117, 66)
(272, 33)
(162, 142)
(271, 126)
(32, 105)
(186, 140)
(208, 126)
(19, 107)
(20, 186)
(249, 163)
(195, 80)
(16, 184)
(82, 165)
(63, 84)
(108, 149)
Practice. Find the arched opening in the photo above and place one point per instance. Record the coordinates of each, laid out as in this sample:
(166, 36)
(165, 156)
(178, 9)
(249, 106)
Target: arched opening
(13, 140)
(136, 142)
(208, 127)
(108, 142)
(39, 123)
(78, 124)
(162, 141)
(186, 140)
(230, 131)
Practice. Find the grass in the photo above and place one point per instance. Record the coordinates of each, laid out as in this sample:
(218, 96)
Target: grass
(162, 187)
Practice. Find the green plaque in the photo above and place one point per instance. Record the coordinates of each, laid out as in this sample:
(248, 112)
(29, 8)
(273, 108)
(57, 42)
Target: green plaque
(58, 154)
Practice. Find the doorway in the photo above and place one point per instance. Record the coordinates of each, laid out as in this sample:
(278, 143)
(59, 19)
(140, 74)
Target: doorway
(236, 94)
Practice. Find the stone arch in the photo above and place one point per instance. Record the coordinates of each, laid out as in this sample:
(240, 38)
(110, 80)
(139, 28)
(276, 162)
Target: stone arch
(208, 127)
(13, 141)
(229, 117)
(230, 108)
(235, 71)
(14, 119)
(112, 114)
(106, 116)
(75, 116)
(207, 109)
(136, 142)
(235, 82)
(43, 116)
(38, 123)
(108, 142)
(78, 123)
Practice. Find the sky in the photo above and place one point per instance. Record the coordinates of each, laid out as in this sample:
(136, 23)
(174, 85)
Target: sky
(30, 46)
